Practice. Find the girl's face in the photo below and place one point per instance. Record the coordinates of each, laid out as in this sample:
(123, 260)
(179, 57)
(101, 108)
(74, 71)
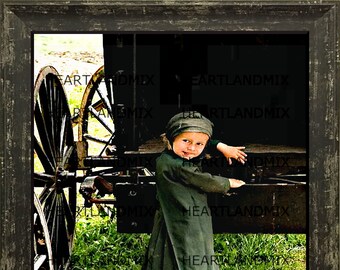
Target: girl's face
(189, 145)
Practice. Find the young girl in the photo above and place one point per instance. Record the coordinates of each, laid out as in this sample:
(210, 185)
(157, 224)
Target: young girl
(182, 236)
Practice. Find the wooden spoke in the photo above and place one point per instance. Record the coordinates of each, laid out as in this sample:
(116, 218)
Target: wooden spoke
(101, 119)
(97, 139)
(42, 156)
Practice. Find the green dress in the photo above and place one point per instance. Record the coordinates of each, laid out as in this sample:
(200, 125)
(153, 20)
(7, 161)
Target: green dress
(182, 236)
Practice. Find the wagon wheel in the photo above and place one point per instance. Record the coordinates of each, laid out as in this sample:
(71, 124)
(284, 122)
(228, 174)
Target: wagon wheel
(96, 127)
(55, 165)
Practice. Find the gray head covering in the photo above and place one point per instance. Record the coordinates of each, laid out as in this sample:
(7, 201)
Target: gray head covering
(189, 121)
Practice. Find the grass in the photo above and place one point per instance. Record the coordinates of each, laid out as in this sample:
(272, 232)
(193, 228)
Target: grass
(261, 251)
(99, 246)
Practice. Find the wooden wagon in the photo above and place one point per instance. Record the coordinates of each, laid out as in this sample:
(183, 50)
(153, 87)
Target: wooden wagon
(147, 79)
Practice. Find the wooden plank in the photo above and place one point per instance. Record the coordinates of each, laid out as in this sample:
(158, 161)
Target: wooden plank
(257, 208)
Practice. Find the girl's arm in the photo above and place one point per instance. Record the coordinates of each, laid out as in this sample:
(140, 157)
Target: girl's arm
(235, 152)
(191, 175)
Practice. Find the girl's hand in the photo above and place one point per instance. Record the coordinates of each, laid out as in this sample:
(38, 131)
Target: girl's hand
(234, 183)
(235, 152)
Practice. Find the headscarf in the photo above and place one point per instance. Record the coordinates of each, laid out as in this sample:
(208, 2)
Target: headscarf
(188, 121)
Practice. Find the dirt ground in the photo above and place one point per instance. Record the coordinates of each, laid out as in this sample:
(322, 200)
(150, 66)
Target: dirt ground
(75, 56)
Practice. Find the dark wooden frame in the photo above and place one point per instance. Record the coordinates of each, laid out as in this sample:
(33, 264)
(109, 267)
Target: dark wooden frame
(20, 18)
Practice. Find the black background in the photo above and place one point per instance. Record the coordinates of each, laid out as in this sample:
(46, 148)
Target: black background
(177, 69)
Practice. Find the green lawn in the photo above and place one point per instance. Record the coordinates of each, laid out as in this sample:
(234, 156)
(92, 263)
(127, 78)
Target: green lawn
(99, 246)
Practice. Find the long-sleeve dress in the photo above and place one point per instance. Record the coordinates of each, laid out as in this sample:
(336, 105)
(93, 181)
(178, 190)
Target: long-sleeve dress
(182, 236)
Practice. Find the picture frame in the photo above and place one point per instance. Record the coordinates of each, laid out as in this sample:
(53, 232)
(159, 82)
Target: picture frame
(22, 18)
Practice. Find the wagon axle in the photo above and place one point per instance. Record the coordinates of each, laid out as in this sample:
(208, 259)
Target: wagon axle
(64, 179)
